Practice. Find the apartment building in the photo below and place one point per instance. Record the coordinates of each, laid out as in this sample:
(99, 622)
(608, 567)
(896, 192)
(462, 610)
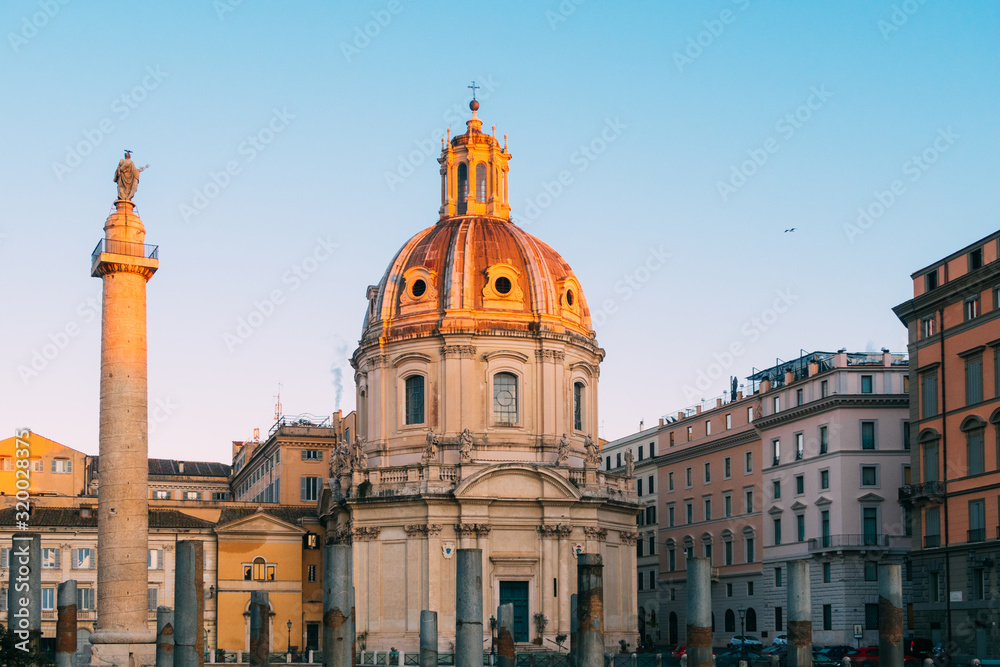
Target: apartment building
(290, 466)
(833, 427)
(953, 325)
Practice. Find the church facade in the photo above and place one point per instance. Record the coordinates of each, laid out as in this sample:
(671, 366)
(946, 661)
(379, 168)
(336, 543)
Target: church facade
(476, 376)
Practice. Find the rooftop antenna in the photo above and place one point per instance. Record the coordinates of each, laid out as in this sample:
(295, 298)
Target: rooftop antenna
(277, 403)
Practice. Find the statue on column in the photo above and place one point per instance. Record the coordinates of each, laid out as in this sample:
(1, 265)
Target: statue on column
(359, 459)
(593, 456)
(563, 450)
(127, 177)
(431, 451)
(340, 459)
(629, 463)
(465, 445)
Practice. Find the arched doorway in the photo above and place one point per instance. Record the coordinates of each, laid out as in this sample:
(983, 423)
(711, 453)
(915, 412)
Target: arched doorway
(751, 620)
(672, 628)
(270, 626)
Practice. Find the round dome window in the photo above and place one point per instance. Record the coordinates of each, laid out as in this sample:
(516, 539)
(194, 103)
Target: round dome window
(418, 289)
(502, 284)
(569, 297)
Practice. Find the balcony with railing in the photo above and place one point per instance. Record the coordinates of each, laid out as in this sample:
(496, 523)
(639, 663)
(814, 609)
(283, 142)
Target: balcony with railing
(977, 535)
(130, 249)
(858, 541)
(918, 493)
(932, 541)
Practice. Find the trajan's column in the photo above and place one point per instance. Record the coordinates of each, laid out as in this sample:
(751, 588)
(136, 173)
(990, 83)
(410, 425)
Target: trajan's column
(125, 264)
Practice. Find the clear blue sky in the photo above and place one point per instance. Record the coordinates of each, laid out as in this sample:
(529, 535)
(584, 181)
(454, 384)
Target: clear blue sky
(670, 98)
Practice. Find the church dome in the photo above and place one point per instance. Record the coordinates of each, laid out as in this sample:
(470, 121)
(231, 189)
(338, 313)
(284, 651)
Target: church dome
(475, 271)
(476, 274)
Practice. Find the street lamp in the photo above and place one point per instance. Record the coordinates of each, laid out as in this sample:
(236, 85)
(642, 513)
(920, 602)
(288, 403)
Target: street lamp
(289, 644)
(743, 637)
(493, 639)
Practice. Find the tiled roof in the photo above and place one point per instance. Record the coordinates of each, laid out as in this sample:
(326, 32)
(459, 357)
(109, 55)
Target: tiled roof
(172, 467)
(70, 516)
(290, 515)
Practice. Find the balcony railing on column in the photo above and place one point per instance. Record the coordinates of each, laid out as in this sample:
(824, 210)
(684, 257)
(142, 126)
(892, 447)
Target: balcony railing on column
(126, 248)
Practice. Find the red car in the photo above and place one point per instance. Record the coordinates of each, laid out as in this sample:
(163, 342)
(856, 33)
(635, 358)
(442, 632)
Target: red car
(867, 656)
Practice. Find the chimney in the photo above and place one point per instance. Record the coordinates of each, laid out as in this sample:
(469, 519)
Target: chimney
(739, 395)
(886, 357)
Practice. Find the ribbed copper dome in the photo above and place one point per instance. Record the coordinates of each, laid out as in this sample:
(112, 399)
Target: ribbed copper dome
(477, 274)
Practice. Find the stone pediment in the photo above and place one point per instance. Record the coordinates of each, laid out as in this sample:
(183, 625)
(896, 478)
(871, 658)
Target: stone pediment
(798, 507)
(870, 498)
(259, 523)
(517, 481)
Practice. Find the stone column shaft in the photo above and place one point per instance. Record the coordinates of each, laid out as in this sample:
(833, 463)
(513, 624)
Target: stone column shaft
(469, 608)
(66, 624)
(428, 639)
(164, 637)
(505, 635)
(259, 640)
(123, 504)
(799, 615)
(574, 630)
(189, 610)
(699, 612)
(338, 606)
(890, 615)
(590, 610)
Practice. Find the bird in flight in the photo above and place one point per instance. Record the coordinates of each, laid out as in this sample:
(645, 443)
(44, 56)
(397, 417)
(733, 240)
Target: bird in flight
(790, 230)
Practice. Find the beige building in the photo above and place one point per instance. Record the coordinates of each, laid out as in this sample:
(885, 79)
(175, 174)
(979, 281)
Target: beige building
(476, 382)
(291, 465)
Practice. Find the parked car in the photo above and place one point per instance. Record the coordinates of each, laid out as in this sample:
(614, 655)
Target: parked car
(748, 641)
(918, 648)
(837, 652)
(781, 639)
(867, 656)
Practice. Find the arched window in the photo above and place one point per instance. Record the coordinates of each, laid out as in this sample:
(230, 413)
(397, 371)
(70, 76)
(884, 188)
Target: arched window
(751, 620)
(730, 621)
(505, 398)
(415, 399)
(578, 406)
(463, 186)
(481, 182)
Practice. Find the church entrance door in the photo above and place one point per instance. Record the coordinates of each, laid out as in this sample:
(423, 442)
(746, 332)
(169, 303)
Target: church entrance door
(516, 593)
